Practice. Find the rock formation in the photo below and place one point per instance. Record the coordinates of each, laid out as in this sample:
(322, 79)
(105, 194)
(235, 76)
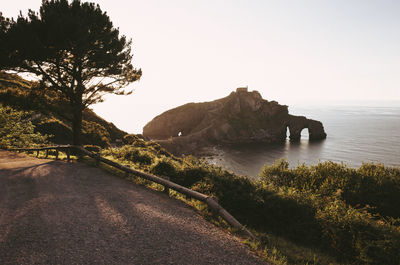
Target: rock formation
(241, 117)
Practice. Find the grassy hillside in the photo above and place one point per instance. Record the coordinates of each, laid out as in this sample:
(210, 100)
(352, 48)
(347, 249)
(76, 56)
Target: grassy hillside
(48, 113)
(323, 214)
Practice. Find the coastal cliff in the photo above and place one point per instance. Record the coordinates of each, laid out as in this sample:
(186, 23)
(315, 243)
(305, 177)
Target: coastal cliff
(241, 117)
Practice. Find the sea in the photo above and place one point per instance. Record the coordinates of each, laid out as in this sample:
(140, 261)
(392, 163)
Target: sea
(356, 134)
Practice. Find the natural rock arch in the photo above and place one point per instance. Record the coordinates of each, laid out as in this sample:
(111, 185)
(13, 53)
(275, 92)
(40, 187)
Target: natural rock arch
(298, 123)
(241, 117)
(305, 132)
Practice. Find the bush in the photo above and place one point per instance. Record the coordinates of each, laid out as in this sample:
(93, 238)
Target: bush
(192, 175)
(95, 134)
(131, 153)
(92, 148)
(164, 167)
(356, 235)
(264, 208)
(377, 186)
(61, 133)
(137, 156)
(340, 197)
(130, 139)
(178, 171)
(16, 129)
(373, 185)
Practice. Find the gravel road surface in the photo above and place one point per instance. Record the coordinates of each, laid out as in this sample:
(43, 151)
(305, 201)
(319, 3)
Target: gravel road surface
(54, 212)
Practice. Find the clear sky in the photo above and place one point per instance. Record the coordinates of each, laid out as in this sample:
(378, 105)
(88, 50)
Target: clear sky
(312, 51)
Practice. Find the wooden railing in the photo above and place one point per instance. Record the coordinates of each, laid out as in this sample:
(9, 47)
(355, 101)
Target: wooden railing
(56, 148)
(210, 201)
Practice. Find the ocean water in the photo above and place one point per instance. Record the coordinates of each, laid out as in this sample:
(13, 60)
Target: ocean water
(356, 134)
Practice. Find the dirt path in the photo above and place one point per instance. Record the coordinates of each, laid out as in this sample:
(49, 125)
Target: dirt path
(53, 212)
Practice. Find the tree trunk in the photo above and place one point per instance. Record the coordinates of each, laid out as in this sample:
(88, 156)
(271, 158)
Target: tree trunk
(77, 126)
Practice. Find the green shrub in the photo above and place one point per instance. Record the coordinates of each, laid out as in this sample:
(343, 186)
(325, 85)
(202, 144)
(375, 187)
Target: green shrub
(340, 197)
(61, 133)
(137, 156)
(139, 143)
(92, 148)
(373, 185)
(165, 167)
(130, 139)
(95, 134)
(16, 129)
(263, 207)
(112, 133)
(178, 171)
(356, 235)
(192, 175)
(377, 186)
(130, 153)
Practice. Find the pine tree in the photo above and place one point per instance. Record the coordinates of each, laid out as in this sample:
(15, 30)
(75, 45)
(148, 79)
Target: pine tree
(72, 48)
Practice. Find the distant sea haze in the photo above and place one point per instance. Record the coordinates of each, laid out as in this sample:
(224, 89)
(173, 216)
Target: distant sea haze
(356, 134)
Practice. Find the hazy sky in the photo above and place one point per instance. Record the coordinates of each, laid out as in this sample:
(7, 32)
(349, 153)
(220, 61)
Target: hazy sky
(290, 51)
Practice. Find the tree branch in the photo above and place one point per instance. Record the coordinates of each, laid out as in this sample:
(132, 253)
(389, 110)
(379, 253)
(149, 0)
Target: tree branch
(42, 72)
(101, 87)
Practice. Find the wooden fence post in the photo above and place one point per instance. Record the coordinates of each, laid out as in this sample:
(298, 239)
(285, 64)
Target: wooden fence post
(47, 153)
(37, 153)
(97, 160)
(68, 155)
(166, 188)
(126, 172)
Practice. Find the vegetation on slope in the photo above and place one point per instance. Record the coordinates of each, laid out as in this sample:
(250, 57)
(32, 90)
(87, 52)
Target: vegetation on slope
(322, 214)
(16, 129)
(48, 116)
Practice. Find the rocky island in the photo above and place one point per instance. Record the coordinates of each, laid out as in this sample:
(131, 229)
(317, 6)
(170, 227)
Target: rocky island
(241, 117)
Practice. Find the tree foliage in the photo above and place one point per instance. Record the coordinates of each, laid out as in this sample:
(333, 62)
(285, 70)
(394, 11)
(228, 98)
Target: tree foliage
(16, 129)
(73, 48)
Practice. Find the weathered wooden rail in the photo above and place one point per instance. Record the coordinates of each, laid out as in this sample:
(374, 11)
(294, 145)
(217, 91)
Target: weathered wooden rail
(57, 148)
(210, 201)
